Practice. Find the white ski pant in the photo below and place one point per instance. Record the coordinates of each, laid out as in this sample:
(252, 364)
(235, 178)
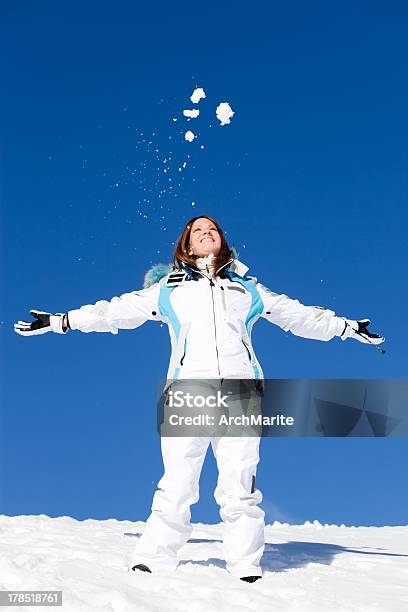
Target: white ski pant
(168, 526)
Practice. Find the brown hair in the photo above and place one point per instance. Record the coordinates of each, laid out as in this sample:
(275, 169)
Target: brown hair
(183, 244)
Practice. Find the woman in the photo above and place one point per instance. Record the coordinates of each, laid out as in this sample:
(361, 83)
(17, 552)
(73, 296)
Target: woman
(210, 305)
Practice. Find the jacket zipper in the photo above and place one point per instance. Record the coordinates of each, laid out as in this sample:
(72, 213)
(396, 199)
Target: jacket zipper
(213, 308)
(215, 325)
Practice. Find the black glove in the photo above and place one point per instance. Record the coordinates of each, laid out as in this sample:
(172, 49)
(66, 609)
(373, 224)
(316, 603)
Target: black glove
(44, 322)
(358, 330)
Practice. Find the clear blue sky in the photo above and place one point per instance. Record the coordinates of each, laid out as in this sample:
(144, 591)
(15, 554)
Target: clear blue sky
(309, 182)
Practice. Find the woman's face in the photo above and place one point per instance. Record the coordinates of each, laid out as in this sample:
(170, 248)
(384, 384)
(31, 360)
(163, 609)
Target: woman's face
(204, 238)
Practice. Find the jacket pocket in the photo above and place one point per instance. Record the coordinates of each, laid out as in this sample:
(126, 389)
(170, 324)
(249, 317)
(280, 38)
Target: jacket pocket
(250, 357)
(184, 352)
(182, 344)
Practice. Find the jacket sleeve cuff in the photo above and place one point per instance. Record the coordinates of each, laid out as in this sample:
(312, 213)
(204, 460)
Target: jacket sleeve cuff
(342, 328)
(73, 319)
(348, 328)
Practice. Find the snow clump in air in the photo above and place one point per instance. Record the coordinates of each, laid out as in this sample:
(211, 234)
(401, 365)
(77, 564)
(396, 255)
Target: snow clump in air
(197, 94)
(224, 113)
(189, 136)
(191, 114)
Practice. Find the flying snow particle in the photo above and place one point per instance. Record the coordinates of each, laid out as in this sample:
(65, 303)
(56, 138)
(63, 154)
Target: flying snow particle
(224, 113)
(197, 94)
(189, 136)
(192, 203)
(191, 114)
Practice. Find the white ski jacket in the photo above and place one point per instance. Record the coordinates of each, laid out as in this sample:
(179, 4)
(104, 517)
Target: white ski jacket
(209, 319)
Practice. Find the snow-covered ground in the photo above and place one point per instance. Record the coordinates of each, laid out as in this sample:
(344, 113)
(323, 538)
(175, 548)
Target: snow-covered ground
(306, 568)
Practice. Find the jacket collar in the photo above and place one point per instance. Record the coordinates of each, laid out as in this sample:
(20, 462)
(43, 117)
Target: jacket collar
(233, 265)
(238, 267)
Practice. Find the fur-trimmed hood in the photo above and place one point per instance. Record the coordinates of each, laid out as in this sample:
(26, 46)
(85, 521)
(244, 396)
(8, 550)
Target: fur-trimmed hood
(158, 271)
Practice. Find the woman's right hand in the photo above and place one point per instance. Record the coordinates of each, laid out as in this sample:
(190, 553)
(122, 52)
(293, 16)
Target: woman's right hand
(44, 322)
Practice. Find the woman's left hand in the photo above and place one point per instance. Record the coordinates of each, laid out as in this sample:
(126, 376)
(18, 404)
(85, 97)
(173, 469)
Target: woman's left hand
(358, 331)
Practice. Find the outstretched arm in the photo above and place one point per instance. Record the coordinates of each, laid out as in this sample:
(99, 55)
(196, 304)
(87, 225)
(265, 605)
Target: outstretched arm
(127, 311)
(313, 322)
